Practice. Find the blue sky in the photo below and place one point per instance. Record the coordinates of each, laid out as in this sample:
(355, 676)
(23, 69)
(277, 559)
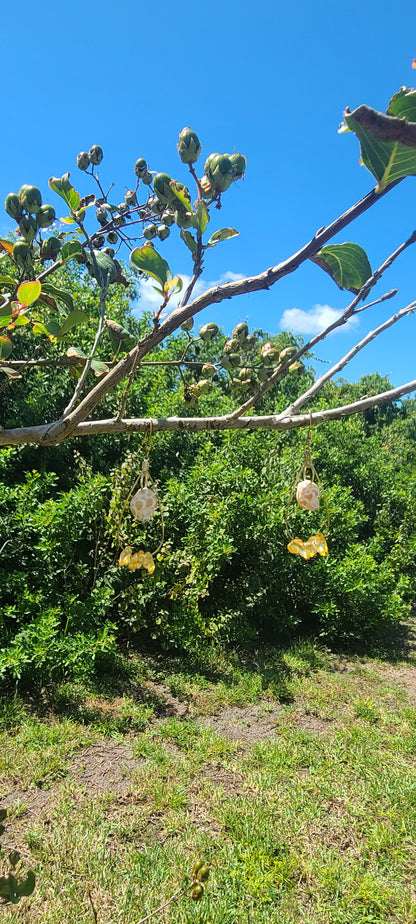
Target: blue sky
(268, 79)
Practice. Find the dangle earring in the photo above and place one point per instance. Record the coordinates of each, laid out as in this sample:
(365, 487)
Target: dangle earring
(309, 492)
(143, 504)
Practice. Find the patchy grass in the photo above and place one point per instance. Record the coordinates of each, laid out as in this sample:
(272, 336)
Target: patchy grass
(293, 773)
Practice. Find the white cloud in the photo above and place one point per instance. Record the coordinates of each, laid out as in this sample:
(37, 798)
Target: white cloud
(313, 321)
(149, 300)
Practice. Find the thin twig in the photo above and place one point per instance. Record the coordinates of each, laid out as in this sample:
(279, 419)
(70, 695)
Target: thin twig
(165, 905)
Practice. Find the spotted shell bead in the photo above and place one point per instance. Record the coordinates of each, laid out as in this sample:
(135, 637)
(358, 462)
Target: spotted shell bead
(143, 504)
(307, 495)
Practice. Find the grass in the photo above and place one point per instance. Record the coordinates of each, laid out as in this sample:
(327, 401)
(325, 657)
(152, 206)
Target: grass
(293, 773)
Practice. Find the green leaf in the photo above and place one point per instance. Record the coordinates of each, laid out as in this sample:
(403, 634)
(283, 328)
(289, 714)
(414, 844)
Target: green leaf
(189, 240)
(7, 281)
(11, 374)
(5, 315)
(147, 260)
(28, 292)
(59, 294)
(388, 144)
(180, 196)
(201, 217)
(6, 346)
(65, 190)
(223, 235)
(26, 887)
(403, 105)
(98, 367)
(69, 250)
(174, 285)
(21, 320)
(347, 264)
(51, 330)
(74, 318)
(107, 270)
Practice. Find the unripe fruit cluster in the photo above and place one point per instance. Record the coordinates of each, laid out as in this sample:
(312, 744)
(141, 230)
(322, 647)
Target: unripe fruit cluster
(93, 158)
(27, 209)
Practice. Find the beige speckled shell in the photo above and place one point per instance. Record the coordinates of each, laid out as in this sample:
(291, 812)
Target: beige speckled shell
(143, 504)
(307, 495)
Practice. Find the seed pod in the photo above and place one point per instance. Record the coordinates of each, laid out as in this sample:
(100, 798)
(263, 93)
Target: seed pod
(195, 869)
(83, 160)
(13, 206)
(30, 198)
(95, 155)
(147, 178)
(208, 370)
(244, 373)
(197, 891)
(149, 232)
(183, 219)
(123, 208)
(269, 353)
(207, 190)
(234, 359)
(240, 332)
(168, 217)
(231, 345)
(287, 353)
(162, 232)
(109, 250)
(28, 228)
(46, 216)
(208, 331)
(204, 387)
(296, 368)
(189, 146)
(131, 197)
(187, 325)
(239, 163)
(162, 188)
(21, 254)
(112, 238)
(97, 241)
(50, 249)
(219, 171)
(249, 343)
(140, 167)
(203, 873)
(101, 215)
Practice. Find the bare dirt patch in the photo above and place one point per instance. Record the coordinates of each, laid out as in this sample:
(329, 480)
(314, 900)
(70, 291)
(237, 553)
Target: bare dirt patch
(246, 726)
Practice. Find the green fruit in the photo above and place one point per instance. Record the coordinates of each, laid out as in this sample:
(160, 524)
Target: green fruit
(226, 363)
(28, 228)
(296, 368)
(208, 331)
(189, 146)
(101, 215)
(149, 232)
(131, 197)
(187, 325)
(50, 249)
(161, 186)
(264, 373)
(168, 217)
(249, 343)
(183, 219)
(220, 172)
(147, 178)
(239, 163)
(197, 891)
(13, 206)
(287, 353)
(269, 353)
(30, 198)
(95, 155)
(140, 167)
(203, 873)
(195, 869)
(46, 216)
(240, 332)
(97, 241)
(21, 254)
(205, 387)
(244, 373)
(208, 370)
(112, 237)
(162, 232)
(231, 346)
(123, 208)
(83, 161)
(234, 359)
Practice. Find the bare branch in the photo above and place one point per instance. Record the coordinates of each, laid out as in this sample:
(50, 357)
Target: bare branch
(44, 435)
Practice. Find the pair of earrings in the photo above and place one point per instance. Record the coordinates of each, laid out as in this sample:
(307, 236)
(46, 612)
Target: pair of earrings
(143, 504)
(309, 491)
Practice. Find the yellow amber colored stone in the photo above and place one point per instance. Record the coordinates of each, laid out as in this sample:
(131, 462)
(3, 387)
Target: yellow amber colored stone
(125, 556)
(313, 546)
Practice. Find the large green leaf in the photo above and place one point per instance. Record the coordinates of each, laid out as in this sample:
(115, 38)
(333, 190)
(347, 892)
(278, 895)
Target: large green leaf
(6, 346)
(189, 240)
(347, 263)
(28, 292)
(65, 190)
(74, 318)
(69, 250)
(5, 315)
(403, 105)
(388, 143)
(179, 195)
(223, 235)
(147, 260)
(201, 217)
(107, 270)
(58, 294)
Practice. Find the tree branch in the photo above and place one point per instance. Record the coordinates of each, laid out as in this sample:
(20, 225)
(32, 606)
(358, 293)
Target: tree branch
(42, 435)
